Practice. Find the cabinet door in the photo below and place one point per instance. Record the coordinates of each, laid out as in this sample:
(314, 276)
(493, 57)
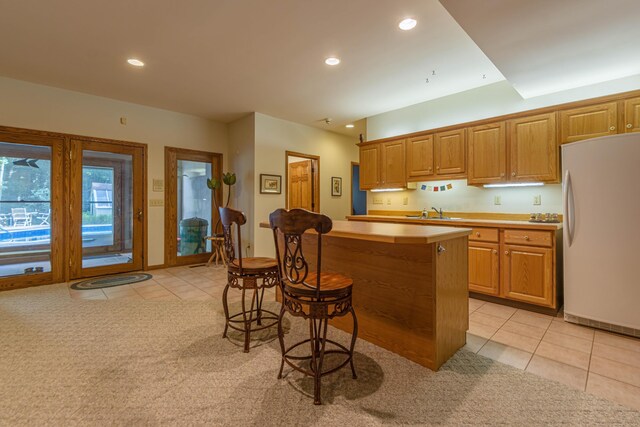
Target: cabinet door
(393, 167)
(487, 153)
(534, 149)
(484, 273)
(450, 152)
(527, 274)
(419, 158)
(369, 166)
(588, 122)
(632, 115)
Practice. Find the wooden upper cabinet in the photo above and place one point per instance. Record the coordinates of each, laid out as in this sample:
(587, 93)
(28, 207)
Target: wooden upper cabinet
(632, 115)
(588, 122)
(533, 148)
(450, 152)
(527, 274)
(419, 158)
(370, 166)
(487, 158)
(393, 164)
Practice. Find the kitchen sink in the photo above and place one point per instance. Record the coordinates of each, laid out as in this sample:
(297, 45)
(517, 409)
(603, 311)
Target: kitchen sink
(444, 218)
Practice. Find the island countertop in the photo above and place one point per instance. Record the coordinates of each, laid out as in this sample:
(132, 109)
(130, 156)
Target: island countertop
(393, 233)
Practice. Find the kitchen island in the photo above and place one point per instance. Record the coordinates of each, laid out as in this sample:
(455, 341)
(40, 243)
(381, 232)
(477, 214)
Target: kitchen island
(410, 285)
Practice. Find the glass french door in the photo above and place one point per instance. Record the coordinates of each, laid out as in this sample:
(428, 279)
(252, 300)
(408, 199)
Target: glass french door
(106, 208)
(31, 200)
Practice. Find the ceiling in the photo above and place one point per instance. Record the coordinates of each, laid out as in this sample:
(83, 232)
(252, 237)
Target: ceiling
(226, 58)
(545, 46)
(223, 59)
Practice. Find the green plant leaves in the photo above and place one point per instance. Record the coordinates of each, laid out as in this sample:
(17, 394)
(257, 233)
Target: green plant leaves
(213, 183)
(229, 178)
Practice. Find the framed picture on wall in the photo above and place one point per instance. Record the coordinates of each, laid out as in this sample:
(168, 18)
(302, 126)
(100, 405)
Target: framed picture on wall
(336, 186)
(270, 184)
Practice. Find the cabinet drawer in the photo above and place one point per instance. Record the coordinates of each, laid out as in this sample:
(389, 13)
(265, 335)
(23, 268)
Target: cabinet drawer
(484, 235)
(528, 237)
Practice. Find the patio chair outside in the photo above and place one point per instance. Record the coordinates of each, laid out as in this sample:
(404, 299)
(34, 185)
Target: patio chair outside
(44, 217)
(20, 217)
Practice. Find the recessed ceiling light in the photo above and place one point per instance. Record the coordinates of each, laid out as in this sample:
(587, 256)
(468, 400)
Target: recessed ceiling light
(332, 60)
(135, 62)
(407, 24)
(349, 126)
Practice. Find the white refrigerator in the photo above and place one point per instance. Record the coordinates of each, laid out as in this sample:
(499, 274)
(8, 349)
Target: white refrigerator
(601, 235)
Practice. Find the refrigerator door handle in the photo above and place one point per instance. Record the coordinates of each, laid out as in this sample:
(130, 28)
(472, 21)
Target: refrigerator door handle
(569, 207)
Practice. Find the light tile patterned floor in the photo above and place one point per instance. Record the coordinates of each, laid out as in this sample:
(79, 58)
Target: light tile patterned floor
(602, 363)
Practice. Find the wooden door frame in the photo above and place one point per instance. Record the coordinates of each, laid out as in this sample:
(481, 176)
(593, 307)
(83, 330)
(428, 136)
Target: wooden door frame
(58, 201)
(75, 147)
(171, 157)
(315, 184)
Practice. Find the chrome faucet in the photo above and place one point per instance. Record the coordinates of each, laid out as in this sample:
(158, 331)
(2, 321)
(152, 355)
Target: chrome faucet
(439, 212)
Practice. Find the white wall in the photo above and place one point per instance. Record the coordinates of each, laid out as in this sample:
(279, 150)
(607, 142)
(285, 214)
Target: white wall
(242, 163)
(275, 136)
(39, 107)
(476, 104)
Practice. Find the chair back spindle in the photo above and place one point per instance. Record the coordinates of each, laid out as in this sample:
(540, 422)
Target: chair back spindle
(229, 217)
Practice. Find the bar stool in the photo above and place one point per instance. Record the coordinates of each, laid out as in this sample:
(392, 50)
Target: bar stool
(246, 274)
(314, 296)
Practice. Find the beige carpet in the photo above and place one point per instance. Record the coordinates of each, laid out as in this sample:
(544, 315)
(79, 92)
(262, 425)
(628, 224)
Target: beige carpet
(66, 362)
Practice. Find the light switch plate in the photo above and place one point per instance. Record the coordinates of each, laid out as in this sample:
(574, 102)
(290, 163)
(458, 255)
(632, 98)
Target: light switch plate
(537, 200)
(497, 200)
(405, 200)
(388, 200)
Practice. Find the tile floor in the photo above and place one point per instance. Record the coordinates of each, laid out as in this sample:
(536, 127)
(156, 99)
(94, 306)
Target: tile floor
(601, 363)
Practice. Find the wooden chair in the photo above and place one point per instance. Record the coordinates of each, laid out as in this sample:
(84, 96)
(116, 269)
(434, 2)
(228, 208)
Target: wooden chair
(315, 296)
(246, 274)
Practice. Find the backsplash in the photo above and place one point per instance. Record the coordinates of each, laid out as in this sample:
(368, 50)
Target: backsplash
(463, 198)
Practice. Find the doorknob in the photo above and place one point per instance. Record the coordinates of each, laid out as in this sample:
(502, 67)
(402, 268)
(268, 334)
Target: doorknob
(139, 214)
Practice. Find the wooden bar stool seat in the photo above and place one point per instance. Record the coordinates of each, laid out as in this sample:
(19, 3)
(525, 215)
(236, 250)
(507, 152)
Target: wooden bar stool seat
(313, 295)
(252, 275)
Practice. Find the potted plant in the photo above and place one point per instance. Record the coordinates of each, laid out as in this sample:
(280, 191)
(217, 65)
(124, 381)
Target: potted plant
(228, 179)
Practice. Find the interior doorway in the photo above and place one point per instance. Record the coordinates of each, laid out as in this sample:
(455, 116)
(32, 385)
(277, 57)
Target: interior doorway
(358, 197)
(302, 181)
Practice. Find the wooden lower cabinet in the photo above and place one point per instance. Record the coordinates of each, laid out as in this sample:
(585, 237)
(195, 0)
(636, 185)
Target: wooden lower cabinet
(484, 268)
(527, 274)
(516, 264)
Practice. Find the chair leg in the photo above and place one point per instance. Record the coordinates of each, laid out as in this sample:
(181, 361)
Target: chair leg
(249, 319)
(259, 297)
(225, 305)
(354, 335)
(281, 339)
(320, 345)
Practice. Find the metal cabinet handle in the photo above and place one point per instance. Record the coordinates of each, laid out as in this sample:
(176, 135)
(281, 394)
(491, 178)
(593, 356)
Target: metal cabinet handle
(478, 234)
(513, 174)
(612, 128)
(526, 237)
(629, 125)
(506, 252)
(441, 249)
(437, 167)
(495, 252)
(502, 174)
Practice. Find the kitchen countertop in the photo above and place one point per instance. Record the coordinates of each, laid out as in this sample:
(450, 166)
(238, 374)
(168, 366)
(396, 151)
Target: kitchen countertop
(469, 222)
(393, 233)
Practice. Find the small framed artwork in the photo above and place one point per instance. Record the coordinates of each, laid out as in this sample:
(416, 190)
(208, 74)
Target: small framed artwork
(336, 186)
(270, 184)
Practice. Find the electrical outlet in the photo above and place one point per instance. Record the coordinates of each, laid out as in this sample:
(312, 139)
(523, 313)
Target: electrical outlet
(156, 202)
(537, 200)
(377, 200)
(497, 200)
(388, 200)
(405, 201)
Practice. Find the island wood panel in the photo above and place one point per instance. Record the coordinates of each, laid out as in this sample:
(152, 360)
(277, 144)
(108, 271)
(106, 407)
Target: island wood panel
(402, 292)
